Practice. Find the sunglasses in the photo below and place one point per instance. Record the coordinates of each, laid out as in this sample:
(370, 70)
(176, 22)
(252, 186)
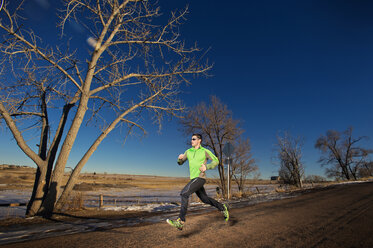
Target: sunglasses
(194, 139)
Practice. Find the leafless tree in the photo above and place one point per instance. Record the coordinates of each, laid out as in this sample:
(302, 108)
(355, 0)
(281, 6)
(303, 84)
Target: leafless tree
(243, 164)
(134, 66)
(366, 170)
(341, 153)
(314, 179)
(215, 122)
(289, 155)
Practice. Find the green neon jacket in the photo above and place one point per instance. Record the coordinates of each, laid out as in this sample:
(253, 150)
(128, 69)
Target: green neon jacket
(196, 158)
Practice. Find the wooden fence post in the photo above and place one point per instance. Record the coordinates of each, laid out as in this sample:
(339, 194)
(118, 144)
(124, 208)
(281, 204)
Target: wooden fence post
(101, 201)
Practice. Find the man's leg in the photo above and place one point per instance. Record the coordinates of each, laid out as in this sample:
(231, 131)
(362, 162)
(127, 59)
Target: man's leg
(193, 186)
(201, 193)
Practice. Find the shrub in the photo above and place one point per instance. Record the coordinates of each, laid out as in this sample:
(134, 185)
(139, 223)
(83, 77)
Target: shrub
(24, 177)
(76, 201)
(242, 194)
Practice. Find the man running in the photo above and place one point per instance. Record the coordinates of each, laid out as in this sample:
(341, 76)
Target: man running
(197, 156)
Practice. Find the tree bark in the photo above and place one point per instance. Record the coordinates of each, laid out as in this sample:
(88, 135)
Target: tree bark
(58, 173)
(40, 188)
(44, 172)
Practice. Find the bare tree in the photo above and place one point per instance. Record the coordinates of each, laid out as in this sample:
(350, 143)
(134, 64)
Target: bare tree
(314, 179)
(216, 124)
(243, 163)
(366, 170)
(289, 154)
(134, 66)
(341, 153)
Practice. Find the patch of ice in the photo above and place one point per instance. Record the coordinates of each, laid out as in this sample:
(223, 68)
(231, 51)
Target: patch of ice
(148, 207)
(351, 182)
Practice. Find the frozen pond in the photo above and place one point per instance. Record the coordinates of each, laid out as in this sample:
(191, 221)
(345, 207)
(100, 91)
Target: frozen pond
(13, 196)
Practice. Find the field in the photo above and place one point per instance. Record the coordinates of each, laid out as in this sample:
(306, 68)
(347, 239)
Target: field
(23, 178)
(14, 177)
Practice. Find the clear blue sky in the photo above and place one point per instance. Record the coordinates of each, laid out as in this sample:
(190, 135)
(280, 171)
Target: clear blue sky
(299, 66)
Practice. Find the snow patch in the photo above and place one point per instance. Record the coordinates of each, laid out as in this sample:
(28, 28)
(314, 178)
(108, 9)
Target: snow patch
(156, 207)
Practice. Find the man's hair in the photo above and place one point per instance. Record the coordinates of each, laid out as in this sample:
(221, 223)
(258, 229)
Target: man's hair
(199, 136)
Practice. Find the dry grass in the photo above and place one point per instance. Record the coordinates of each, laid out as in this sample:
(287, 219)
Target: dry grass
(241, 194)
(17, 178)
(23, 178)
(286, 188)
(124, 181)
(76, 201)
(367, 179)
(280, 189)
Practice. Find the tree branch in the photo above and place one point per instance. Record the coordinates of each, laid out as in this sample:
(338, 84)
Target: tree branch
(45, 57)
(18, 136)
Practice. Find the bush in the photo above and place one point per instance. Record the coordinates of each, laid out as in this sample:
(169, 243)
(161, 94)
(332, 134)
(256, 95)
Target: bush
(25, 177)
(286, 188)
(314, 179)
(241, 194)
(76, 201)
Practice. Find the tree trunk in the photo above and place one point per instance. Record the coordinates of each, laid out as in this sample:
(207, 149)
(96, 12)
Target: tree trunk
(58, 173)
(74, 176)
(299, 181)
(41, 176)
(353, 172)
(346, 173)
(222, 179)
(40, 188)
(343, 166)
(240, 188)
(33, 195)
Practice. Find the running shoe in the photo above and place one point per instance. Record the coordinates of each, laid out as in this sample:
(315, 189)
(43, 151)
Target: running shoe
(226, 213)
(176, 223)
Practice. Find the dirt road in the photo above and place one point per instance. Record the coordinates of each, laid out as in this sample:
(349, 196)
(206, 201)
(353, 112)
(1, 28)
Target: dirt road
(339, 216)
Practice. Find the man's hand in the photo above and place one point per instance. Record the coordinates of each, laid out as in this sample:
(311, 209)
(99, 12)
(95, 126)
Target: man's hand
(181, 157)
(203, 168)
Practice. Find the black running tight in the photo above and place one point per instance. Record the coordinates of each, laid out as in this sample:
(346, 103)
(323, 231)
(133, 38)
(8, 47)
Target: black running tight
(196, 186)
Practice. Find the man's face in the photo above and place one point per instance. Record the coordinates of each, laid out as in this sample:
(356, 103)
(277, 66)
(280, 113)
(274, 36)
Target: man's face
(195, 141)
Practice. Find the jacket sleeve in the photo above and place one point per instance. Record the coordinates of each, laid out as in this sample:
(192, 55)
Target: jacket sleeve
(213, 158)
(182, 161)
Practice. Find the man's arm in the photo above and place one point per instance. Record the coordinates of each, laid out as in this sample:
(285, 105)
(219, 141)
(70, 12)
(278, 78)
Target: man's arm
(182, 158)
(213, 158)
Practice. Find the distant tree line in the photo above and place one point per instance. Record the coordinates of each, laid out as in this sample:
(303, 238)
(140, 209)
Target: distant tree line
(342, 156)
